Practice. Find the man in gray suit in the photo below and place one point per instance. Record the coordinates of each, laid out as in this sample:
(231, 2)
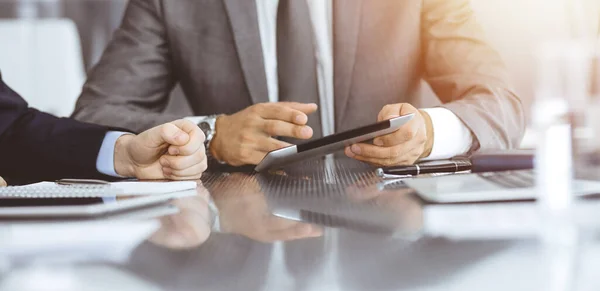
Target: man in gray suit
(255, 70)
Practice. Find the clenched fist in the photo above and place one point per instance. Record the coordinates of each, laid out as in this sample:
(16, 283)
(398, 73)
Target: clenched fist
(173, 151)
(412, 141)
(246, 137)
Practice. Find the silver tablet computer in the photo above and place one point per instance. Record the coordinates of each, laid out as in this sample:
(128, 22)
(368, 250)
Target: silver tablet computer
(330, 144)
(80, 207)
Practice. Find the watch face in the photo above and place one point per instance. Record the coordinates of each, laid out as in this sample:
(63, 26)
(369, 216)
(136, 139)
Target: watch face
(205, 127)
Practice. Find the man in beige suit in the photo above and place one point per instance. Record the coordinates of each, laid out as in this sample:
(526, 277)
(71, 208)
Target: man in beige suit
(256, 70)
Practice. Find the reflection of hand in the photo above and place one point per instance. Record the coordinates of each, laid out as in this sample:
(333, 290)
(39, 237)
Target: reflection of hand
(405, 146)
(190, 227)
(2, 182)
(400, 203)
(247, 136)
(172, 151)
(243, 210)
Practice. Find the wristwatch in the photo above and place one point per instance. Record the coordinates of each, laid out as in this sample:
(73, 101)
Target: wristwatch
(207, 125)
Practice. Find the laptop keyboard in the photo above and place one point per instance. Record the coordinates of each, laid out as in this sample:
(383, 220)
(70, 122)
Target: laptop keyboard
(512, 179)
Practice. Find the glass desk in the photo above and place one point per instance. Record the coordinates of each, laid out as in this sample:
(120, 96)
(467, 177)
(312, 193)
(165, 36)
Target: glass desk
(323, 226)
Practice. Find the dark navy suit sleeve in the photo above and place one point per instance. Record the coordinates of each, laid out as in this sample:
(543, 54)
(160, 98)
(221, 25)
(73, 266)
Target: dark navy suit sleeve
(36, 146)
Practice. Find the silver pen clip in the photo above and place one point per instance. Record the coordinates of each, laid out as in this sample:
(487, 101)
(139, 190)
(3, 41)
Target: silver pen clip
(380, 173)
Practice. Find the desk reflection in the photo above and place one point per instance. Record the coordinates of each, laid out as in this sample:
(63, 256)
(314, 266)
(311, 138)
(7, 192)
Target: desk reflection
(243, 209)
(305, 230)
(189, 228)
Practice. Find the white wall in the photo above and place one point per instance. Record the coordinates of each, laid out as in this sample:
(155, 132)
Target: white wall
(517, 28)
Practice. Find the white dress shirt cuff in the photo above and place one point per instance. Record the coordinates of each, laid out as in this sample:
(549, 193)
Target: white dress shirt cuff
(195, 119)
(105, 163)
(451, 137)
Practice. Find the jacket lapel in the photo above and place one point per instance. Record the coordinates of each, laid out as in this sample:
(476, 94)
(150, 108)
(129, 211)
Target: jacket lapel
(346, 27)
(244, 23)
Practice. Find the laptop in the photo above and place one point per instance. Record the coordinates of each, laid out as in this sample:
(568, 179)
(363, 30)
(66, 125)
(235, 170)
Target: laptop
(488, 187)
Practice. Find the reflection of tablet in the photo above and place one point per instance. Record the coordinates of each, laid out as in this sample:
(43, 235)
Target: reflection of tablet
(372, 221)
(22, 207)
(330, 144)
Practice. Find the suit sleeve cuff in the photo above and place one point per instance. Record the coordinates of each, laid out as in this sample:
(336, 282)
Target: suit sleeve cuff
(451, 136)
(105, 163)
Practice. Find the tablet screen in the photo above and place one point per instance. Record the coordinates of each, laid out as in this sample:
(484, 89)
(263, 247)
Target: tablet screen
(342, 136)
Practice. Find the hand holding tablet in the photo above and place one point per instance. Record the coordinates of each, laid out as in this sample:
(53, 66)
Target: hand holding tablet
(330, 144)
(413, 141)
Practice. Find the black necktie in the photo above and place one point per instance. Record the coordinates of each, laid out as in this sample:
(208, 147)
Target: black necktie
(296, 58)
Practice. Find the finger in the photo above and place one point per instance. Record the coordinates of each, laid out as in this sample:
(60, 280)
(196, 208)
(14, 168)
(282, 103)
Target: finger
(165, 134)
(191, 173)
(2, 182)
(195, 142)
(269, 144)
(255, 157)
(390, 111)
(284, 229)
(275, 223)
(307, 108)
(405, 134)
(281, 128)
(283, 111)
(407, 159)
(297, 231)
(373, 151)
(182, 162)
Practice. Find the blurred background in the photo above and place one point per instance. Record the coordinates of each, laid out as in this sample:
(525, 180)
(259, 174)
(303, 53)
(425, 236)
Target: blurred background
(46, 46)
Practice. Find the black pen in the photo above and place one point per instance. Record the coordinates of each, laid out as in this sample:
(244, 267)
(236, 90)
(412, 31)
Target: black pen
(427, 168)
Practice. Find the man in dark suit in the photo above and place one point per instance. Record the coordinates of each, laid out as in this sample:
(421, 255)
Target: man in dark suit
(36, 146)
(243, 65)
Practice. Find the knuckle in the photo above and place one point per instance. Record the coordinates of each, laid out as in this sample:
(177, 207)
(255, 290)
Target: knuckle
(186, 122)
(201, 136)
(253, 121)
(297, 131)
(257, 108)
(165, 129)
(246, 137)
(184, 151)
(271, 127)
(177, 165)
(163, 161)
(202, 152)
(245, 154)
(414, 156)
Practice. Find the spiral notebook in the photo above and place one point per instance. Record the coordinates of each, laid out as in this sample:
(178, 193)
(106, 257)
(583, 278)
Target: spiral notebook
(128, 188)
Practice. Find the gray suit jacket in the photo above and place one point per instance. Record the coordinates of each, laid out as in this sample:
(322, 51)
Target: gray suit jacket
(382, 50)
